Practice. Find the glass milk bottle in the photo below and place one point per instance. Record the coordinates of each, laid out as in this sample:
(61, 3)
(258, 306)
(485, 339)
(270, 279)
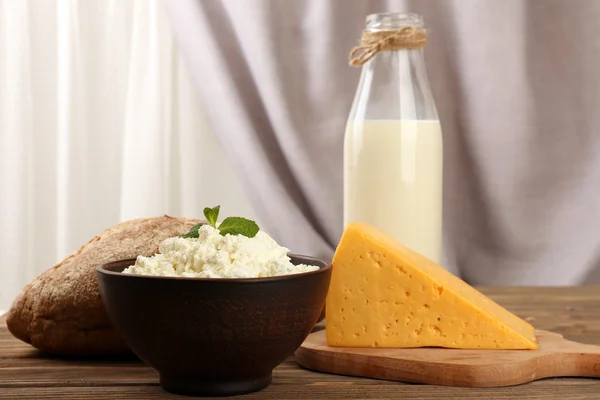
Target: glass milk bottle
(393, 141)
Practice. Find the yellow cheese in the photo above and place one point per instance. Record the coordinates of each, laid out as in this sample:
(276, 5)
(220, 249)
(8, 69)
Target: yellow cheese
(383, 294)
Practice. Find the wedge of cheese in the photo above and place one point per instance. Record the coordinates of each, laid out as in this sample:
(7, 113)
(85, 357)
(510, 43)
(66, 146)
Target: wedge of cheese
(383, 294)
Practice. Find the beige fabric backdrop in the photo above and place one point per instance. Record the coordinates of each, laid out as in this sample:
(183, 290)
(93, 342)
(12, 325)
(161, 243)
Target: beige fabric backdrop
(99, 123)
(518, 89)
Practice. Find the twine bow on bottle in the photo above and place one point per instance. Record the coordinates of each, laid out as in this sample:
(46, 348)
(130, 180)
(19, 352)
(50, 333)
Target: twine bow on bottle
(372, 42)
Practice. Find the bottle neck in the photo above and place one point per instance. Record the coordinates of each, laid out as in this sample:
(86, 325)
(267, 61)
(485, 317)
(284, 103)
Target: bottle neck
(393, 83)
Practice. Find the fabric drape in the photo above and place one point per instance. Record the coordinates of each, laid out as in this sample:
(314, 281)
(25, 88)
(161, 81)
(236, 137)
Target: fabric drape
(98, 124)
(517, 88)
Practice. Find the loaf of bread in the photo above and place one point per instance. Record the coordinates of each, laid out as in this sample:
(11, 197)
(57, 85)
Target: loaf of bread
(61, 311)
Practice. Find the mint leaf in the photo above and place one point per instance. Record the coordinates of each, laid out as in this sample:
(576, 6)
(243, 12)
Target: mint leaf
(193, 232)
(238, 226)
(212, 215)
(230, 225)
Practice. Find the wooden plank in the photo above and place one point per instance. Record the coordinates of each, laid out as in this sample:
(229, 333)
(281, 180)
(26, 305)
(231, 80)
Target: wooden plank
(572, 389)
(107, 375)
(573, 312)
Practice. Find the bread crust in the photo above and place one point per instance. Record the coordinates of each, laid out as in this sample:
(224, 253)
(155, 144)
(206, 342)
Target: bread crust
(61, 311)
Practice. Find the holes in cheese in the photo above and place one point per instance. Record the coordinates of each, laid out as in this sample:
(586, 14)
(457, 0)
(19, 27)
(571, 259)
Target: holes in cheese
(403, 299)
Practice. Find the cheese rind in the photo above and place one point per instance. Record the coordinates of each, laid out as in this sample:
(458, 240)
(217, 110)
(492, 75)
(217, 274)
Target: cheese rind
(383, 294)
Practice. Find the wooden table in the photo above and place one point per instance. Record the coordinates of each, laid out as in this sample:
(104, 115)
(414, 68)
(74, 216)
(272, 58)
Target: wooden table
(573, 312)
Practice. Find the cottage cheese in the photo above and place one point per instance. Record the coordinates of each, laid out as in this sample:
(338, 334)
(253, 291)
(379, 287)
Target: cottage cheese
(212, 255)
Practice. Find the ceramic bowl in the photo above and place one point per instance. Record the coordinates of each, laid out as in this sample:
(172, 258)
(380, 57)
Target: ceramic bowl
(213, 337)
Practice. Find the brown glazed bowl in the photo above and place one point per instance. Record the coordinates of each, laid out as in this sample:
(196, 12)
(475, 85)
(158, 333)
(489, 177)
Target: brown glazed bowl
(213, 337)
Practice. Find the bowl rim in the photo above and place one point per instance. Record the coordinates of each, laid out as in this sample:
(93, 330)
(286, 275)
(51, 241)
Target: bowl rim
(323, 268)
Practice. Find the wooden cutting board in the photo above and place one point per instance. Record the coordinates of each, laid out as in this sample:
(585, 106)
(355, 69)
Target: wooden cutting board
(555, 357)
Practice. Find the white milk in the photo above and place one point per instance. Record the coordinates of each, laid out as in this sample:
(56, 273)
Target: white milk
(393, 180)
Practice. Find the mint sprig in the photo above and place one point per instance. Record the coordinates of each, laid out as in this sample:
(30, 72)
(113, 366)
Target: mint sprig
(230, 225)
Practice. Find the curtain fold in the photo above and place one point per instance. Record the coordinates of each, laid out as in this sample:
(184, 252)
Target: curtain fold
(98, 124)
(16, 135)
(254, 91)
(517, 93)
